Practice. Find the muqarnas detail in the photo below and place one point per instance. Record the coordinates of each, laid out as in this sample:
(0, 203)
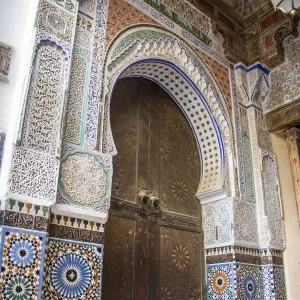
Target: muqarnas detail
(73, 271)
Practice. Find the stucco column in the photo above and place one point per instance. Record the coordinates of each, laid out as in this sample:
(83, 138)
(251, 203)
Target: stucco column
(32, 184)
(76, 236)
(261, 177)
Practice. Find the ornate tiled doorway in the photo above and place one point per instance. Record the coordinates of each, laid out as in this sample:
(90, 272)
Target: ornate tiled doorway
(153, 246)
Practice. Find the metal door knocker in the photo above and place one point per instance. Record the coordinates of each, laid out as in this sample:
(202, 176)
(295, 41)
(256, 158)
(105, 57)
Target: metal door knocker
(148, 199)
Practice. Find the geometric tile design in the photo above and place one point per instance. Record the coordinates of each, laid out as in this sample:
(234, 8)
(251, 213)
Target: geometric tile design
(221, 74)
(73, 271)
(249, 282)
(268, 282)
(22, 258)
(279, 283)
(256, 273)
(220, 284)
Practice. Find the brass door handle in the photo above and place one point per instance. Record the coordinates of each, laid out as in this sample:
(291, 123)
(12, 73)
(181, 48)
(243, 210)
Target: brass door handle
(148, 199)
(144, 198)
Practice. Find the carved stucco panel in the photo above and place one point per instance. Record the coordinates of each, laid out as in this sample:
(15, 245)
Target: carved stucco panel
(245, 223)
(285, 78)
(34, 176)
(218, 223)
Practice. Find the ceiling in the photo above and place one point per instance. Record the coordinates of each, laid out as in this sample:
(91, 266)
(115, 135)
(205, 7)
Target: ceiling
(246, 8)
(252, 30)
(243, 12)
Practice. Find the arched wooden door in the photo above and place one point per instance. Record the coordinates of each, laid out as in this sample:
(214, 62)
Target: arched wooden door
(150, 252)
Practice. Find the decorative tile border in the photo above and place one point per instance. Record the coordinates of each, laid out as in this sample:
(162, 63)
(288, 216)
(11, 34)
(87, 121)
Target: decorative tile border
(25, 215)
(75, 234)
(218, 259)
(26, 221)
(255, 273)
(27, 208)
(244, 255)
(67, 228)
(76, 223)
(187, 36)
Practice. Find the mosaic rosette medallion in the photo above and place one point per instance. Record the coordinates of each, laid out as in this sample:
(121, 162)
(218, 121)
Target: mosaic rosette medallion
(220, 281)
(249, 282)
(73, 271)
(250, 287)
(84, 179)
(21, 267)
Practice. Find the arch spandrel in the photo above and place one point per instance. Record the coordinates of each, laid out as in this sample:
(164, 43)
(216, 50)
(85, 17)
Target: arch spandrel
(139, 51)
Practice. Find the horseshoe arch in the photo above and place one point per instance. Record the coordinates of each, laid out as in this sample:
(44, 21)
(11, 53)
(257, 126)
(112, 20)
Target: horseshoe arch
(160, 56)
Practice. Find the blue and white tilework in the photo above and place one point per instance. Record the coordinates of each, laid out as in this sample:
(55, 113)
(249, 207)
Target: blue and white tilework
(22, 257)
(73, 271)
(248, 282)
(268, 282)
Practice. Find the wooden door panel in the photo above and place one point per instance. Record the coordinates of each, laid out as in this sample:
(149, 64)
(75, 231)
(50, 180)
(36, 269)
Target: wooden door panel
(152, 254)
(118, 259)
(180, 265)
(143, 134)
(140, 280)
(179, 161)
(124, 122)
(153, 260)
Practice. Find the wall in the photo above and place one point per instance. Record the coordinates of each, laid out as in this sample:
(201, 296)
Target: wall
(292, 228)
(20, 16)
(16, 29)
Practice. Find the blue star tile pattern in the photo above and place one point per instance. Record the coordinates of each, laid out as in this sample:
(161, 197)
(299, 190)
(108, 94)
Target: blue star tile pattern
(22, 257)
(249, 282)
(23, 253)
(72, 274)
(73, 271)
(250, 287)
